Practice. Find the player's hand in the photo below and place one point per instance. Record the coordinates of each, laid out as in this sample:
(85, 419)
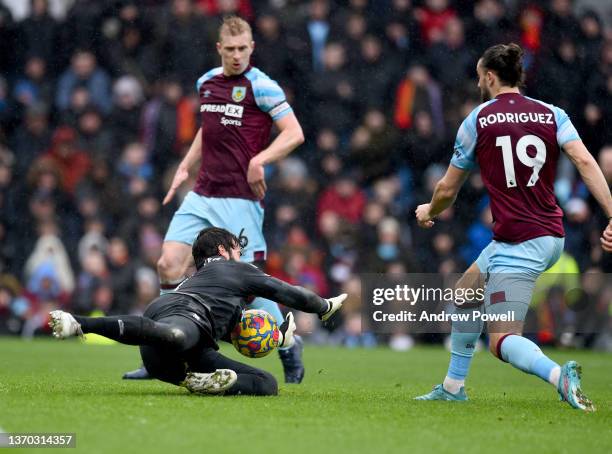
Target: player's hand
(606, 238)
(256, 179)
(424, 219)
(335, 304)
(286, 331)
(180, 177)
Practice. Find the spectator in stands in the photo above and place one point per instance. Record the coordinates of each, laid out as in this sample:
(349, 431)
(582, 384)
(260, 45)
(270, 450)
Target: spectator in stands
(344, 198)
(122, 275)
(93, 136)
(133, 51)
(401, 30)
(422, 146)
(13, 306)
(333, 96)
(124, 120)
(81, 30)
(134, 167)
(591, 39)
(271, 54)
(433, 18)
(373, 147)
(37, 34)
(377, 71)
(33, 87)
(479, 234)
(416, 92)
(94, 272)
(451, 52)
(84, 73)
(561, 24)
(326, 158)
(31, 138)
(490, 24)
(72, 163)
(559, 77)
(168, 124)
(7, 38)
(183, 31)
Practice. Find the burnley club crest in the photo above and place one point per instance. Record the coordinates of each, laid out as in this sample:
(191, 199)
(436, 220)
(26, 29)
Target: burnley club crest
(238, 93)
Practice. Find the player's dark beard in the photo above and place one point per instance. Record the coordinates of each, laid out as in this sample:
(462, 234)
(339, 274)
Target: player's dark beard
(485, 95)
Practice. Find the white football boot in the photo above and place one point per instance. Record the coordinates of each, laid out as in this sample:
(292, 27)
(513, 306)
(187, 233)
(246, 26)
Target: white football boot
(64, 325)
(286, 338)
(215, 383)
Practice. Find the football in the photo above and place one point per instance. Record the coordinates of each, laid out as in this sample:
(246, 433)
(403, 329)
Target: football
(256, 334)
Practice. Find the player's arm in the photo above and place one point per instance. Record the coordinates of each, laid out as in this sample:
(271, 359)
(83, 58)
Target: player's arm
(190, 160)
(256, 282)
(288, 139)
(463, 160)
(443, 197)
(596, 182)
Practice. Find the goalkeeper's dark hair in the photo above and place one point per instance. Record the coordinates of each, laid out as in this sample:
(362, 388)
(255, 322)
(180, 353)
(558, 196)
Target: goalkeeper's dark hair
(505, 60)
(208, 241)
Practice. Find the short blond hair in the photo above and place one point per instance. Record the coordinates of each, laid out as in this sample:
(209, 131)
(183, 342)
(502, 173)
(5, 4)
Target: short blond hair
(234, 26)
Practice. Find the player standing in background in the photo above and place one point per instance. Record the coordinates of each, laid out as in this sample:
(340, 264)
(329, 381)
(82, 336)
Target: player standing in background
(238, 105)
(517, 142)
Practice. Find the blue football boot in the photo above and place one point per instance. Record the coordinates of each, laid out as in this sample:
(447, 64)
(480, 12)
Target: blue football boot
(569, 387)
(439, 393)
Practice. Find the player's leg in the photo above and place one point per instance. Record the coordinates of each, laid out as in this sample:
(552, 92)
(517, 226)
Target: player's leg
(167, 366)
(163, 364)
(244, 218)
(508, 344)
(173, 333)
(164, 344)
(187, 222)
(166, 361)
(172, 265)
(509, 290)
(510, 293)
(249, 380)
(169, 362)
(291, 357)
(464, 336)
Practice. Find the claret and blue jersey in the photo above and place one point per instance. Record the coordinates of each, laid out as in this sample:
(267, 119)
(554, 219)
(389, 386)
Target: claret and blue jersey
(237, 113)
(516, 141)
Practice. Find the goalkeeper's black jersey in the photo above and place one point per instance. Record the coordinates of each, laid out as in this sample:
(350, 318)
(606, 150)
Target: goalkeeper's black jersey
(216, 294)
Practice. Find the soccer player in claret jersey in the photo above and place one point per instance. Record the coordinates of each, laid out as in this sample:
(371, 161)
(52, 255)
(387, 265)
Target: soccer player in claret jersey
(179, 330)
(516, 141)
(238, 105)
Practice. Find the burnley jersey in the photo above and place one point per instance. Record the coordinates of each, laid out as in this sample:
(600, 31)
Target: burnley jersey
(516, 141)
(237, 114)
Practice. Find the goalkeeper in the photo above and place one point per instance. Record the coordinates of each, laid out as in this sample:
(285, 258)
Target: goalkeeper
(178, 332)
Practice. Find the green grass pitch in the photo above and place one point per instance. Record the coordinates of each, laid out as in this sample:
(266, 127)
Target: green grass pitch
(353, 401)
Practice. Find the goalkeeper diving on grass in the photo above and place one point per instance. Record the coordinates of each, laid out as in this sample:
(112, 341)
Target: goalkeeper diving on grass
(179, 330)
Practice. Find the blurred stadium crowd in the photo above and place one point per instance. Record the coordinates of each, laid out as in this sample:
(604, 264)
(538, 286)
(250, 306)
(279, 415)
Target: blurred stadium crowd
(97, 106)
